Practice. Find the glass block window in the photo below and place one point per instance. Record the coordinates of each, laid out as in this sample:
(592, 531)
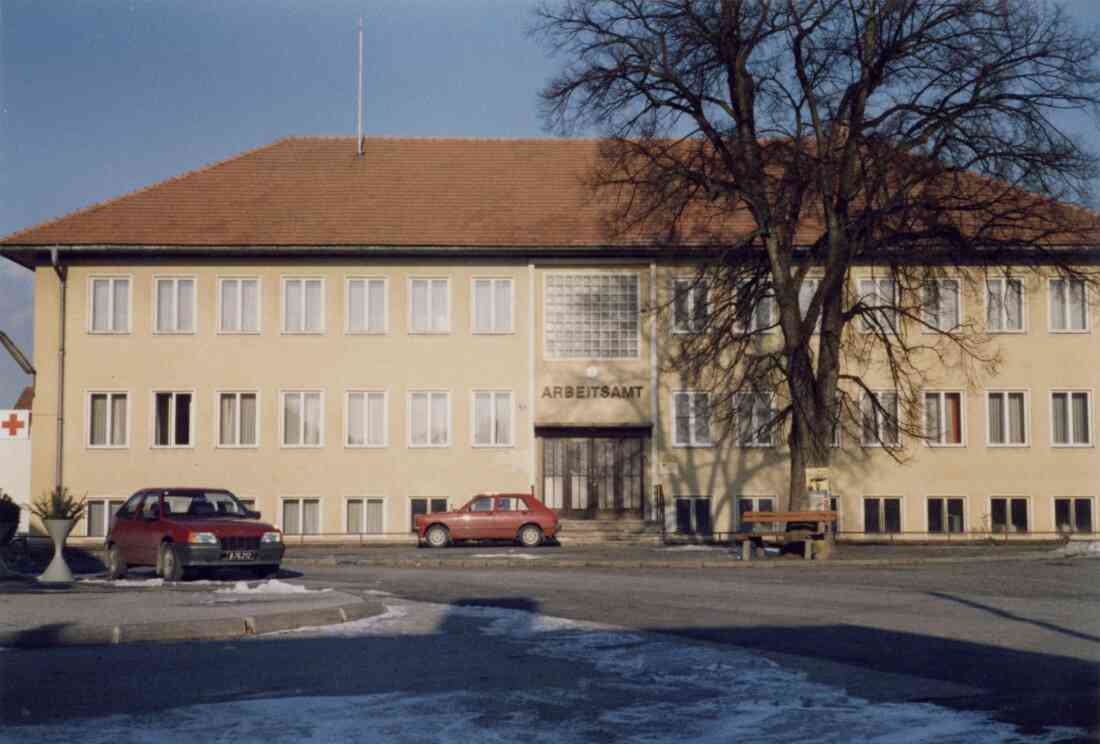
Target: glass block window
(592, 316)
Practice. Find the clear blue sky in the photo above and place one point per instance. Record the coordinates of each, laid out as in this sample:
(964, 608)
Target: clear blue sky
(101, 97)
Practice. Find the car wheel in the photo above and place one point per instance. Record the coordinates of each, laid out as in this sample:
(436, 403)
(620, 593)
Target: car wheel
(265, 572)
(171, 567)
(116, 564)
(438, 537)
(530, 536)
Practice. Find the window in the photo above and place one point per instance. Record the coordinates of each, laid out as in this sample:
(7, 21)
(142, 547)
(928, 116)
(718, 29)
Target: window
(238, 419)
(172, 419)
(1004, 305)
(754, 415)
(940, 304)
(100, 516)
(880, 296)
(591, 316)
(689, 306)
(755, 504)
(1071, 424)
(108, 420)
(110, 304)
(693, 515)
(945, 515)
(492, 306)
(303, 306)
(303, 419)
(880, 419)
(691, 413)
(239, 306)
(762, 318)
(301, 516)
(1073, 515)
(429, 419)
(424, 506)
(943, 412)
(364, 516)
(882, 515)
(492, 418)
(429, 305)
(1069, 307)
(1007, 422)
(1008, 514)
(367, 304)
(366, 418)
(175, 305)
(806, 292)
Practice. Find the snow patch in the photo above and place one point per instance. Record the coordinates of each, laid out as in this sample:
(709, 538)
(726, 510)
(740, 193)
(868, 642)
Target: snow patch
(367, 625)
(1081, 548)
(694, 548)
(272, 586)
(125, 582)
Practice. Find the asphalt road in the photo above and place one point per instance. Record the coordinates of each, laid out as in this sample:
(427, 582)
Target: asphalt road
(1020, 639)
(1017, 638)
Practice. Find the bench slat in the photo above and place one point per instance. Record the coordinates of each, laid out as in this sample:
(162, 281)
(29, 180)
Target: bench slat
(802, 516)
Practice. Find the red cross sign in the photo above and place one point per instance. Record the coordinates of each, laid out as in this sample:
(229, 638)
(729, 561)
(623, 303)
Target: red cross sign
(13, 425)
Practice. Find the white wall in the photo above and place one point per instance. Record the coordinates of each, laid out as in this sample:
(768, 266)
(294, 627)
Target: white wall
(15, 474)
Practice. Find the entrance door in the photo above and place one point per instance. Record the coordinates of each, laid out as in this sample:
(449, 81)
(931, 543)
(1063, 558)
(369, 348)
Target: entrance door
(593, 476)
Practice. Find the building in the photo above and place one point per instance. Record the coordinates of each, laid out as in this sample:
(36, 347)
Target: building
(15, 454)
(347, 341)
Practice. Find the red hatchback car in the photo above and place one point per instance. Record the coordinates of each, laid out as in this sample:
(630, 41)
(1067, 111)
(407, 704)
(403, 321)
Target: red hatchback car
(502, 516)
(177, 529)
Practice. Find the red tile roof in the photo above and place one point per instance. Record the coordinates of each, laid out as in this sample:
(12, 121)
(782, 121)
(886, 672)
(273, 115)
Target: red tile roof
(315, 191)
(26, 399)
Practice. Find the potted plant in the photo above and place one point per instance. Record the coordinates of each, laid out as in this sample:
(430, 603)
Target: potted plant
(58, 509)
(9, 519)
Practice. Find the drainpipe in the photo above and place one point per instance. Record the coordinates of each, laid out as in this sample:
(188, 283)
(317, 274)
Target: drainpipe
(62, 276)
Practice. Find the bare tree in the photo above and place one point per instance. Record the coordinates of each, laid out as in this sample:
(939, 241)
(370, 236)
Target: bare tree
(779, 143)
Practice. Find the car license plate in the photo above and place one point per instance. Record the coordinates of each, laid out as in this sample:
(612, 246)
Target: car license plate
(239, 555)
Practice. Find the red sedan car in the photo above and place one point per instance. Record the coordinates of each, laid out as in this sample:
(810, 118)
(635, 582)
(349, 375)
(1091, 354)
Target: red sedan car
(177, 529)
(503, 516)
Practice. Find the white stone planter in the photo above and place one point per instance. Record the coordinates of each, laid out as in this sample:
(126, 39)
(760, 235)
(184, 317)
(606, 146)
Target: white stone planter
(58, 571)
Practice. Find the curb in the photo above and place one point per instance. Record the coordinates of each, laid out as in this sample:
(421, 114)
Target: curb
(219, 629)
(332, 562)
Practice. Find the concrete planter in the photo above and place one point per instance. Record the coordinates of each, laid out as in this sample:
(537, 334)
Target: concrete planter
(58, 571)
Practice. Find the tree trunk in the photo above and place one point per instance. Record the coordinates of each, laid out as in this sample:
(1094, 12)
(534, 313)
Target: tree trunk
(811, 427)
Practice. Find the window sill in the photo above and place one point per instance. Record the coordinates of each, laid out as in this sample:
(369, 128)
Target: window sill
(1070, 331)
(238, 333)
(175, 333)
(366, 446)
(302, 446)
(1087, 445)
(1007, 332)
(109, 333)
(945, 445)
(302, 333)
(169, 447)
(511, 332)
(429, 446)
(350, 332)
(705, 445)
(475, 445)
(992, 445)
(106, 447)
(237, 446)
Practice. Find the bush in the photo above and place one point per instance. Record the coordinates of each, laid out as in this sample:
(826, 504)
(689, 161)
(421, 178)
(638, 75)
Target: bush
(58, 504)
(9, 510)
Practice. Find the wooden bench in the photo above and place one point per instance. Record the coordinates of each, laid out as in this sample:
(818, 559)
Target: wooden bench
(822, 522)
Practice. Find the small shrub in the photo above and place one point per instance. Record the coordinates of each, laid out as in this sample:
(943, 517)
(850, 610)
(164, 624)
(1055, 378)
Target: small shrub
(9, 510)
(58, 504)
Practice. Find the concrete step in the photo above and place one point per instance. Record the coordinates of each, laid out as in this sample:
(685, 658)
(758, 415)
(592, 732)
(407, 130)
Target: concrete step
(594, 531)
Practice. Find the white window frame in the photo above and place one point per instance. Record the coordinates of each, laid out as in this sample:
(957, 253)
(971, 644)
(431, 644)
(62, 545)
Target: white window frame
(175, 279)
(282, 304)
(367, 391)
(958, 305)
(511, 329)
(547, 356)
(365, 498)
(945, 497)
(240, 305)
(106, 501)
(1069, 417)
(174, 392)
(1071, 499)
(1027, 416)
(218, 418)
(774, 431)
(408, 418)
(864, 326)
(367, 279)
(450, 304)
(301, 514)
(691, 290)
(814, 282)
(1009, 497)
(110, 393)
(112, 278)
(511, 416)
(879, 422)
(282, 418)
(940, 393)
(693, 441)
(1088, 306)
(882, 512)
(1004, 278)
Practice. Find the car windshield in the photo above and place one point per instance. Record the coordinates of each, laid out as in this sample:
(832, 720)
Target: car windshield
(203, 504)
